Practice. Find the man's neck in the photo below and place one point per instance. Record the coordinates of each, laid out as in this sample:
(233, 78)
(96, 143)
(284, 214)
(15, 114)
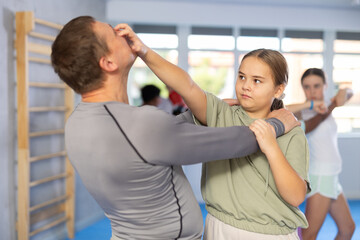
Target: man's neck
(98, 96)
(113, 90)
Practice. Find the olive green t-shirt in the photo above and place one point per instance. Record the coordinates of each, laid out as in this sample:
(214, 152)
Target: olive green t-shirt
(242, 191)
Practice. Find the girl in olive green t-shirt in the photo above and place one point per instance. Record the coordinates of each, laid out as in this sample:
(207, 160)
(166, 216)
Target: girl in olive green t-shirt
(255, 197)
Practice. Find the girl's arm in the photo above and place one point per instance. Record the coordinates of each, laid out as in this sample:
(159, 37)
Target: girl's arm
(315, 121)
(338, 100)
(168, 73)
(318, 105)
(290, 185)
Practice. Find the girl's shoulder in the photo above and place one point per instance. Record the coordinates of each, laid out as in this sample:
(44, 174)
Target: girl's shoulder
(294, 136)
(296, 131)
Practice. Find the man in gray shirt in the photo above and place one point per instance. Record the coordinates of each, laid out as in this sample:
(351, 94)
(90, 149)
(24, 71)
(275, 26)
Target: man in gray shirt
(129, 158)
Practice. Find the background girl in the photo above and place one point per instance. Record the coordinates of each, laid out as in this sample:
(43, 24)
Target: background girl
(325, 165)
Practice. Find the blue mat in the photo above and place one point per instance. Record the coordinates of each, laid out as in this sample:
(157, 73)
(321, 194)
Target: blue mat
(101, 230)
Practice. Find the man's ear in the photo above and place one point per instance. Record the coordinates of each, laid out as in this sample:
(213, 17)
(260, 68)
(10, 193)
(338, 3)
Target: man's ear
(279, 90)
(107, 64)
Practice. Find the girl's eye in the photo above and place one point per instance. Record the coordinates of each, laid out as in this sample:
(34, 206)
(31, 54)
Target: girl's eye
(257, 81)
(241, 77)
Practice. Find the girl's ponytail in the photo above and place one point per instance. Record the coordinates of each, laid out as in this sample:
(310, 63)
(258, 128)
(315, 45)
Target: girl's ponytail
(277, 104)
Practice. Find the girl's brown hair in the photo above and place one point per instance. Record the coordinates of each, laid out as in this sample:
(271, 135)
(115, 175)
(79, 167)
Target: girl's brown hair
(314, 71)
(279, 69)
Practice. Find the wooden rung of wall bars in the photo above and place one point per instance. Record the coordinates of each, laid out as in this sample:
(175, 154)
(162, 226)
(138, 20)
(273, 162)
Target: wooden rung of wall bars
(47, 226)
(42, 36)
(47, 85)
(48, 179)
(26, 33)
(48, 109)
(46, 133)
(48, 24)
(46, 213)
(47, 156)
(40, 49)
(48, 203)
(39, 60)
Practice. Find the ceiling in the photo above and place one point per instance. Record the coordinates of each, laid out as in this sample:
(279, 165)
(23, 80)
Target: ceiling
(293, 3)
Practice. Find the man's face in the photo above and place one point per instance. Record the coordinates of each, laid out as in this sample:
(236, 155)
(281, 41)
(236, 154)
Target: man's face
(120, 51)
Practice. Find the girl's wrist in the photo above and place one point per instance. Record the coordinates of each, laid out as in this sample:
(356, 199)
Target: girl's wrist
(335, 102)
(311, 105)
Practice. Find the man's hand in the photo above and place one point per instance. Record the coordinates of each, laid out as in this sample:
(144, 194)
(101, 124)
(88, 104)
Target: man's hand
(136, 45)
(286, 117)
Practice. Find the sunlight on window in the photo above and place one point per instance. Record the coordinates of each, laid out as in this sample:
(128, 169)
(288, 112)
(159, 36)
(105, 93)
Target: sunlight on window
(213, 71)
(346, 73)
(347, 118)
(159, 40)
(347, 46)
(297, 64)
(211, 42)
(347, 70)
(251, 43)
(302, 45)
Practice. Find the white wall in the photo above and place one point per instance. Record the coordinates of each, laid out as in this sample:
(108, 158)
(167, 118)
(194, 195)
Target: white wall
(55, 11)
(215, 14)
(349, 146)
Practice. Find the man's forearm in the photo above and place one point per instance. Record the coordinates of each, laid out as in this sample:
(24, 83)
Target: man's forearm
(278, 126)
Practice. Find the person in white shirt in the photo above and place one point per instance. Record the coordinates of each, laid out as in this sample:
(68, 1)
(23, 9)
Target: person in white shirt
(326, 195)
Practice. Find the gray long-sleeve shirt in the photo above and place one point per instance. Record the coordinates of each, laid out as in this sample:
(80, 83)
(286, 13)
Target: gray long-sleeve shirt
(130, 158)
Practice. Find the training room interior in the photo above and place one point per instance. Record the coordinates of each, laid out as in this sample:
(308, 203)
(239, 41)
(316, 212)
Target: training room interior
(310, 33)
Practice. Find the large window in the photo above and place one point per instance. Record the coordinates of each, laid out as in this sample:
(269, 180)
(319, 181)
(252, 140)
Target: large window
(164, 40)
(251, 39)
(302, 50)
(211, 59)
(346, 73)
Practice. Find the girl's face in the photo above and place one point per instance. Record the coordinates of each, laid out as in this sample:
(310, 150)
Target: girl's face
(255, 87)
(313, 87)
